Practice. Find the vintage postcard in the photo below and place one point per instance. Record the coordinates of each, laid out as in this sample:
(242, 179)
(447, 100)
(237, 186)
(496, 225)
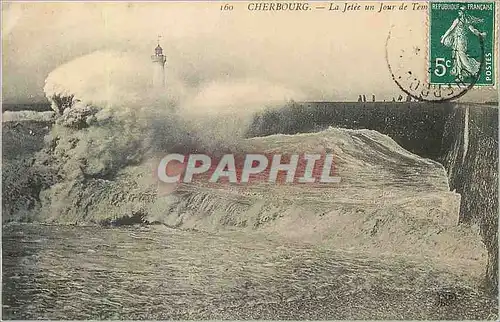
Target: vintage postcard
(250, 160)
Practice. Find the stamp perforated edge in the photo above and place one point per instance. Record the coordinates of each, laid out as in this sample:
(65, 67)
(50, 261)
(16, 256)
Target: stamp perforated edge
(495, 31)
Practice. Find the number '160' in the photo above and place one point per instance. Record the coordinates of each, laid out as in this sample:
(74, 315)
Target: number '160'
(226, 7)
(441, 66)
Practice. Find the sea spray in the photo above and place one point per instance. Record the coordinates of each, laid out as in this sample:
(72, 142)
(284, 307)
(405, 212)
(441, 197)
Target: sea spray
(112, 121)
(389, 201)
(97, 168)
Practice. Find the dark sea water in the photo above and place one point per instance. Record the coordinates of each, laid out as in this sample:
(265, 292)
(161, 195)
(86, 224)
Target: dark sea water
(154, 272)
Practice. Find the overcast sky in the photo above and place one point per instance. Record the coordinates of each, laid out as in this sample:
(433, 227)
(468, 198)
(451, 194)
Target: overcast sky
(320, 54)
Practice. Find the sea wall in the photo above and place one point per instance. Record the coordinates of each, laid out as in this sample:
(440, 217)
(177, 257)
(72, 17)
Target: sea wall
(470, 155)
(418, 127)
(463, 137)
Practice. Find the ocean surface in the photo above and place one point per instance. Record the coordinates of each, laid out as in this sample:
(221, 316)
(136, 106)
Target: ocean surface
(154, 272)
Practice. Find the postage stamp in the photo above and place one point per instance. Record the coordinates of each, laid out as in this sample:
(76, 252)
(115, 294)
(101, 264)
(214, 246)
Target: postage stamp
(461, 43)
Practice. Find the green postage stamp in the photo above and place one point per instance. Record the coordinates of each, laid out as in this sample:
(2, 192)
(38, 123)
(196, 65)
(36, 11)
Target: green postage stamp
(462, 43)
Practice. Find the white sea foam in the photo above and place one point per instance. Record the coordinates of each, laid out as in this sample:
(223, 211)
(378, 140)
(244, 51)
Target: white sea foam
(389, 199)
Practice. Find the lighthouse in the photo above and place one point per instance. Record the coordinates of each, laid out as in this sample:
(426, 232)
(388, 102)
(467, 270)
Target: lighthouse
(158, 60)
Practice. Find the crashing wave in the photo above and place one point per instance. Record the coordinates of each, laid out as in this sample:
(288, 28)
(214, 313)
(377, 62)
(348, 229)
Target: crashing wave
(97, 167)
